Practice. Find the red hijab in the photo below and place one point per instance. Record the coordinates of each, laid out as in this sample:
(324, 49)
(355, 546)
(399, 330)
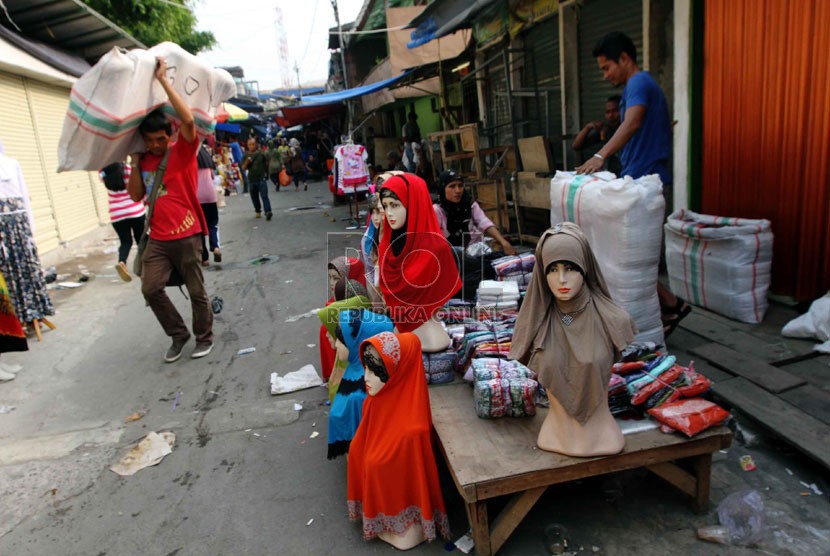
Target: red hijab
(418, 273)
(393, 442)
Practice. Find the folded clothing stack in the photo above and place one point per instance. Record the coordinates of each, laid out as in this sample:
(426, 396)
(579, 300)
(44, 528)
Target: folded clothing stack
(498, 295)
(515, 269)
(440, 367)
(490, 369)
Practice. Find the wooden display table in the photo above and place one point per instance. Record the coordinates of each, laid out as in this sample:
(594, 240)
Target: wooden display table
(490, 458)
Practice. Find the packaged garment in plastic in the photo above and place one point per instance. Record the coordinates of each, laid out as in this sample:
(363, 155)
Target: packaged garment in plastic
(440, 367)
(720, 263)
(623, 220)
(690, 416)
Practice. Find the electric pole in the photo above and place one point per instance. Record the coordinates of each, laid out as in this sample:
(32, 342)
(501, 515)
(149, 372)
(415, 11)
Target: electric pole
(299, 86)
(342, 59)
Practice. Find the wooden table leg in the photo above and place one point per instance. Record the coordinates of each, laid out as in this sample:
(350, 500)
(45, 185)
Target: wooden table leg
(480, 523)
(36, 326)
(48, 323)
(513, 514)
(702, 465)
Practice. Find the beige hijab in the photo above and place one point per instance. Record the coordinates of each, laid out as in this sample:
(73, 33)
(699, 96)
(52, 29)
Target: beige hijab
(573, 361)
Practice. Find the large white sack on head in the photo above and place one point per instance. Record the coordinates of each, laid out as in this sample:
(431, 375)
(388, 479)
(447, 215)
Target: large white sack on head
(109, 101)
(623, 220)
(815, 323)
(720, 263)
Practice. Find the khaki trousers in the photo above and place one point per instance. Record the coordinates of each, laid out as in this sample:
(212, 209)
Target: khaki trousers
(185, 255)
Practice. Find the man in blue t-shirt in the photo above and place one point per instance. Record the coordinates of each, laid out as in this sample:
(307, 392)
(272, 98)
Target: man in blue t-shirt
(644, 136)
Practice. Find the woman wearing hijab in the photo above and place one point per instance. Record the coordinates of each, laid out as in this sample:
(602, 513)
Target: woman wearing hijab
(339, 267)
(418, 273)
(570, 331)
(393, 485)
(461, 219)
(354, 326)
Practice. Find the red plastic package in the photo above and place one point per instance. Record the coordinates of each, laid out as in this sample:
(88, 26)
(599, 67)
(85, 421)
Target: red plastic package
(628, 367)
(698, 384)
(660, 382)
(690, 416)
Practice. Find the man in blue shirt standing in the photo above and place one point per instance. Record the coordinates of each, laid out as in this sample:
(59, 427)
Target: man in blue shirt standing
(643, 138)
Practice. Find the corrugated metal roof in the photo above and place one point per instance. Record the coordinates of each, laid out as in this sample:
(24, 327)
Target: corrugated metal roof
(68, 24)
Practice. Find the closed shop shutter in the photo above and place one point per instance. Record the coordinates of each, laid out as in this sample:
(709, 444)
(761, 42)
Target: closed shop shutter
(597, 18)
(542, 44)
(76, 207)
(20, 143)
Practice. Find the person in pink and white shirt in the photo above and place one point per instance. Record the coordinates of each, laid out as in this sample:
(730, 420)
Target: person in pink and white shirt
(126, 215)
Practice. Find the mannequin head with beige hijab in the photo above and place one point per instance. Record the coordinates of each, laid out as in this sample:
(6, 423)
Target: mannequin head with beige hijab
(570, 332)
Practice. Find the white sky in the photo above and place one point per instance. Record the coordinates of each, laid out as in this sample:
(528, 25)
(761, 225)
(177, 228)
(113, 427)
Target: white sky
(247, 37)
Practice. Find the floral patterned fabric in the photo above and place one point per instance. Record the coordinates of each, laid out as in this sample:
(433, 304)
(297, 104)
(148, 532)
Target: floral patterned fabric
(20, 263)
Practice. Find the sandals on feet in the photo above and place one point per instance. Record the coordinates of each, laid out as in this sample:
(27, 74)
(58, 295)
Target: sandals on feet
(679, 312)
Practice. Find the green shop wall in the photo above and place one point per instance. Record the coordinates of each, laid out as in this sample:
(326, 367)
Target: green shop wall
(428, 121)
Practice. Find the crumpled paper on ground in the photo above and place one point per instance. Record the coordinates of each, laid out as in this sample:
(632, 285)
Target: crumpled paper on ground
(306, 377)
(150, 451)
(815, 323)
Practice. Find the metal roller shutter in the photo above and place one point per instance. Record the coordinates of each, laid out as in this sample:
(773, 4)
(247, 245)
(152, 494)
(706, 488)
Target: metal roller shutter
(20, 143)
(542, 44)
(75, 203)
(499, 130)
(596, 18)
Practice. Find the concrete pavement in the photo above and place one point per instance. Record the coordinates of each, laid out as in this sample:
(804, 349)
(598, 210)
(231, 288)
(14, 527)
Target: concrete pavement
(245, 478)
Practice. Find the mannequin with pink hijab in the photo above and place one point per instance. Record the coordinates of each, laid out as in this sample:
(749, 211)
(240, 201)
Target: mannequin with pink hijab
(570, 332)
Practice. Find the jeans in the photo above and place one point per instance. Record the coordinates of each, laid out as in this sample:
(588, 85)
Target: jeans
(123, 229)
(160, 257)
(259, 188)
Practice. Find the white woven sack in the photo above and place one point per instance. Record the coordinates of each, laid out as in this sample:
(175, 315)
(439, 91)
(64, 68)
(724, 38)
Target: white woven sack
(623, 220)
(720, 263)
(108, 103)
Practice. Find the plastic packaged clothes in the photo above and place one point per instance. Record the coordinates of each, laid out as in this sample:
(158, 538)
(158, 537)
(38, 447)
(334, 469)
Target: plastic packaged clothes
(658, 367)
(490, 369)
(742, 513)
(440, 367)
(500, 397)
(690, 416)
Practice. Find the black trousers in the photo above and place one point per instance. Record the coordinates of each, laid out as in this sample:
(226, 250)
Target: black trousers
(123, 229)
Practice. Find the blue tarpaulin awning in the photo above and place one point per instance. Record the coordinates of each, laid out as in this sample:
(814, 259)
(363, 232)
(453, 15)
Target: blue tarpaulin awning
(443, 17)
(230, 128)
(340, 96)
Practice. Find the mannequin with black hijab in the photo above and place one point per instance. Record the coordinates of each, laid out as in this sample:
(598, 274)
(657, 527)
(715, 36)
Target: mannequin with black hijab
(569, 331)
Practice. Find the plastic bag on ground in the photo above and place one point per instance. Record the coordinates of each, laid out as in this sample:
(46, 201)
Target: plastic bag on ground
(306, 377)
(815, 323)
(743, 514)
(623, 220)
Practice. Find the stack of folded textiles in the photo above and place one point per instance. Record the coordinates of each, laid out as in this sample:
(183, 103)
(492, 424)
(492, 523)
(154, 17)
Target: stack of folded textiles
(498, 295)
(440, 367)
(515, 269)
(503, 388)
(486, 339)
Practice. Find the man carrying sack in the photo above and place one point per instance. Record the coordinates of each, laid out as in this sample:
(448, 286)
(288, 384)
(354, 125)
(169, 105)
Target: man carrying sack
(166, 173)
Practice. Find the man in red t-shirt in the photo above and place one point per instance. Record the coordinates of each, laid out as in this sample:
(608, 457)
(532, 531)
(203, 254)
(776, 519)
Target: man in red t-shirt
(177, 223)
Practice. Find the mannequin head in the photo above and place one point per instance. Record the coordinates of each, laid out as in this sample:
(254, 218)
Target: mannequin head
(334, 276)
(375, 375)
(394, 209)
(565, 279)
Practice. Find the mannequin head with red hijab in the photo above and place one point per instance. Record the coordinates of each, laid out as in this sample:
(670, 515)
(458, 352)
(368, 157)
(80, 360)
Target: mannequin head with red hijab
(418, 273)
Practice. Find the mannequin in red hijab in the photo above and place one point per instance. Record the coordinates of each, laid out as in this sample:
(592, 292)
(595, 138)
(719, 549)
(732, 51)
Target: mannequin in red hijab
(418, 273)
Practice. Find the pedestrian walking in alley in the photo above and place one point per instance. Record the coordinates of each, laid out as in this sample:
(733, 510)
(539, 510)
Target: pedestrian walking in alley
(274, 158)
(176, 221)
(126, 215)
(256, 164)
(296, 165)
(206, 193)
(643, 138)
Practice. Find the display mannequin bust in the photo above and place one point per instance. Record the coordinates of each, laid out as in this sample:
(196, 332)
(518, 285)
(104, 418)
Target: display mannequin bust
(569, 331)
(394, 440)
(418, 271)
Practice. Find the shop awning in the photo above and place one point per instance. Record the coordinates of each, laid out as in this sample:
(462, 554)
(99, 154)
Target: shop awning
(289, 116)
(340, 96)
(229, 128)
(443, 17)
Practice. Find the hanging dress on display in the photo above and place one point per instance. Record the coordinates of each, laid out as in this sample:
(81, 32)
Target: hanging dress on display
(351, 169)
(19, 261)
